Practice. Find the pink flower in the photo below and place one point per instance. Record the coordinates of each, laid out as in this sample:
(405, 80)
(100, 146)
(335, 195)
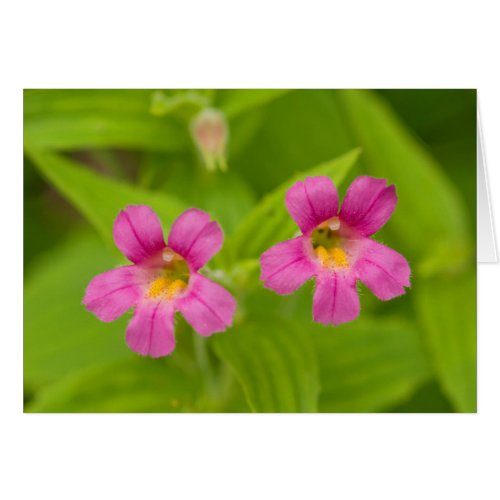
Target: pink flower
(163, 279)
(336, 247)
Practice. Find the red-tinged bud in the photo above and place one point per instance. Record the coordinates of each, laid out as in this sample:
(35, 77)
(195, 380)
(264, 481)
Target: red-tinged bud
(210, 134)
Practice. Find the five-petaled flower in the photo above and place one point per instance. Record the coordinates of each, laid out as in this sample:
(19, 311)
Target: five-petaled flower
(163, 279)
(336, 247)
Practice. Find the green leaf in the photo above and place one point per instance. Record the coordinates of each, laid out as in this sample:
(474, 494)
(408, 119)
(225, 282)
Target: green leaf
(60, 336)
(124, 101)
(269, 222)
(275, 364)
(239, 101)
(87, 130)
(369, 364)
(134, 385)
(81, 119)
(99, 198)
(446, 309)
(430, 221)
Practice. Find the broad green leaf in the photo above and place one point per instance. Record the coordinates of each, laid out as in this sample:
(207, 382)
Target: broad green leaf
(124, 101)
(100, 198)
(239, 101)
(446, 309)
(60, 336)
(369, 364)
(430, 222)
(269, 222)
(275, 364)
(134, 385)
(87, 130)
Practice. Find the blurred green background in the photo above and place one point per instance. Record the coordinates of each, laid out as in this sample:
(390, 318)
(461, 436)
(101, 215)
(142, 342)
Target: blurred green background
(89, 153)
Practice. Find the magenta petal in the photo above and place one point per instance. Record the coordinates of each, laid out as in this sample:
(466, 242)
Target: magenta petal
(207, 307)
(285, 266)
(312, 202)
(335, 300)
(383, 270)
(368, 204)
(151, 331)
(195, 238)
(112, 293)
(137, 233)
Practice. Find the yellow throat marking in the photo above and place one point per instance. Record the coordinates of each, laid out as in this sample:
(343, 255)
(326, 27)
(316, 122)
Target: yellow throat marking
(163, 286)
(333, 257)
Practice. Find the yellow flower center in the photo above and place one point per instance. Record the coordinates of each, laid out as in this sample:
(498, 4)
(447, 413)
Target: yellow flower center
(164, 287)
(171, 279)
(333, 257)
(327, 244)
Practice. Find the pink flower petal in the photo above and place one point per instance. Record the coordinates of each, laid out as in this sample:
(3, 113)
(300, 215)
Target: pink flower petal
(368, 204)
(151, 330)
(112, 293)
(285, 266)
(335, 300)
(383, 270)
(137, 233)
(207, 307)
(195, 238)
(312, 202)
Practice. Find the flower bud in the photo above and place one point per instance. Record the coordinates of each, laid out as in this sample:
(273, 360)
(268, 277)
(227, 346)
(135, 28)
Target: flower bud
(210, 134)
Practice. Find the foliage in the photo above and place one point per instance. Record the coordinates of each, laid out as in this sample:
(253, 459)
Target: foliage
(98, 150)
